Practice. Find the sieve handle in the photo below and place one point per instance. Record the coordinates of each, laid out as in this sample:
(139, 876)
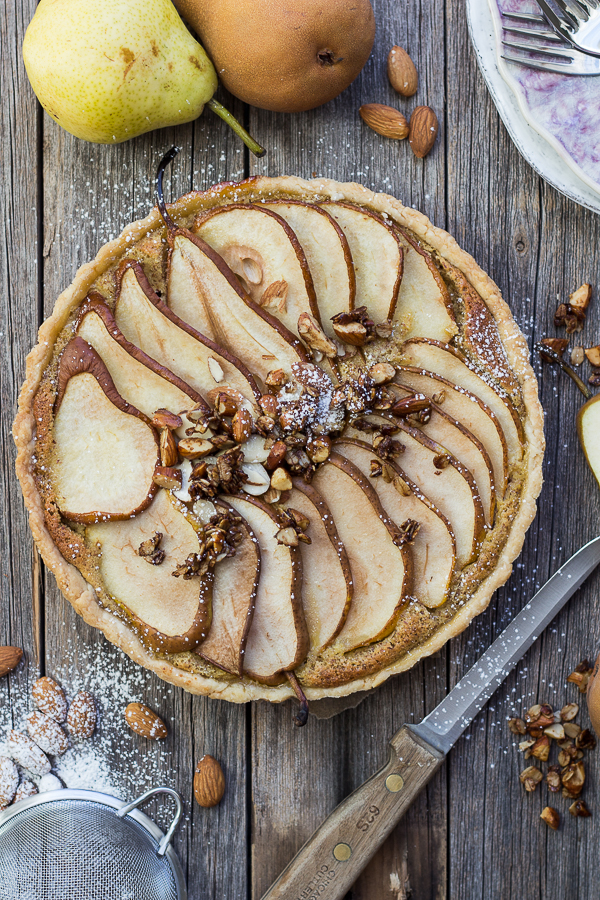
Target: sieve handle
(166, 839)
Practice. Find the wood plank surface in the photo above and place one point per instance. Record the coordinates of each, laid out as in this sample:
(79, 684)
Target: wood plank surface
(473, 834)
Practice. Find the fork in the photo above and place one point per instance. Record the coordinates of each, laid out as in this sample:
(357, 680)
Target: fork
(577, 22)
(551, 52)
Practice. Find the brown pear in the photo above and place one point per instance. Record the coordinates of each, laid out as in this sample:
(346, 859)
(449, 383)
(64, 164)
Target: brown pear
(286, 57)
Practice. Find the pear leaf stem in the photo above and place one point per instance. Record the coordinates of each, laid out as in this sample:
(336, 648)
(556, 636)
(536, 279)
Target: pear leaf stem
(233, 123)
(551, 356)
(160, 196)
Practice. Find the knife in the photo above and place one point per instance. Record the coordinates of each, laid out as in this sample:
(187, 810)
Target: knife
(333, 858)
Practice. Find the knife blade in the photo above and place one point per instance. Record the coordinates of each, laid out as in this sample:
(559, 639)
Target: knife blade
(335, 855)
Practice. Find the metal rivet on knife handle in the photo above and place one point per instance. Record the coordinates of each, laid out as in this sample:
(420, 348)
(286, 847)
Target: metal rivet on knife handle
(342, 852)
(394, 783)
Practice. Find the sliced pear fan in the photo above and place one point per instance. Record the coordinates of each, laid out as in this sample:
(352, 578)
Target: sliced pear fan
(262, 250)
(327, 254)
(379, 559)
(105, 450)
(169, 614)
(149, 324)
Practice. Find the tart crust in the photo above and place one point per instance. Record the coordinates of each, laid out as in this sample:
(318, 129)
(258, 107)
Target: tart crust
(416, 620)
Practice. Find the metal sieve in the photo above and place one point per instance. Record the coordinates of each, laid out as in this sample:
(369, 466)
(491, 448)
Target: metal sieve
(83, 845)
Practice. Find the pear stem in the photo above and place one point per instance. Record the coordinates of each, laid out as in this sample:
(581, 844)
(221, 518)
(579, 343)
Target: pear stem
(551, 356)
(302, 716)
(233, 123)
(160, 197)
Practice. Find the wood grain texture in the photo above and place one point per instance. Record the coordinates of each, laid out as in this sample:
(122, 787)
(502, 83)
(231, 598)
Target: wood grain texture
(473, 834)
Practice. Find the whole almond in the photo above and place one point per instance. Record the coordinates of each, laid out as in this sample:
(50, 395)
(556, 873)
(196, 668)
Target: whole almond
(47, 733)
(9, 779)
(143, 721)
(26, 753)
(402, 72)
(25, 789)
(242, 425)
(50, 698)
(423, 129)
(10, 657)
(81, 719)
(385, 120)
(209, 782)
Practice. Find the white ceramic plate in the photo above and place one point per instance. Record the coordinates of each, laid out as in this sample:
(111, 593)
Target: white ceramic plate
(542, 151)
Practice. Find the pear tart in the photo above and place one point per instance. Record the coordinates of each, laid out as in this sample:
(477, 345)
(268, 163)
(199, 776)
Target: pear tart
(282, 437)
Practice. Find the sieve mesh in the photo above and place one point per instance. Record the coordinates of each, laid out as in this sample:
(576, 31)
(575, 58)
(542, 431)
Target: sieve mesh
(80, 850)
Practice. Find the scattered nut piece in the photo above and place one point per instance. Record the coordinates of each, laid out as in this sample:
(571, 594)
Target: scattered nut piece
(530, 778)
(168, 477)
(594, 380)
(275, 296)
(313, 335)
(26, 753)
(215, 369)
(144, 721)
(555, 731)
(409, 405)
(402, 72)
(580, 809)
(533, 713)
(209, 782)
(319, 448)
(568, 712)
(276, 378)
(81, 719)
(288, 537)
(195, 448)
(580, 299)
(268, 404)
(577, 356)
(47, 733)
(9, 779)
(242, 426)
(573, 777)
(593, 355)
(50, 698)
(585, 740)
(163, 418)
(382, 373)
(551, 817)
(559, 345)
(423, 129)
(150, 549)
(385, 120)
(280, 480)
(553, 779)
(10, 657)
(168, 448)
(541, 748)
(581, 675)
(276, 456)
(572, 729)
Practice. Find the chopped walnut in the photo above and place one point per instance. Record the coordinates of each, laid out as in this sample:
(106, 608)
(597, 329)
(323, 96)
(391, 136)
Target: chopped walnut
(408, 531)
(553, 779)
(573, 778)
(585, 740)
(150, 549)
(517, 726)
(376, 468)
(551, 817)
(355, 327)
(530, 778)
(385, 447)
(581, 674)
(218, 539)
(580, 809)
(594, 378)
(559, 345)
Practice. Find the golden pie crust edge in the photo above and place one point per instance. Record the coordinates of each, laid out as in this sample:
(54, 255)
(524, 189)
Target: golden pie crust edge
(82, 596)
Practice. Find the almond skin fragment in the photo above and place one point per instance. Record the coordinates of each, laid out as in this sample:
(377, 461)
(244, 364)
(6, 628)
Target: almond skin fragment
(402, 72)
(209, 782)
(10, 657)
(385, 120)
(145, 722)
(423, 129)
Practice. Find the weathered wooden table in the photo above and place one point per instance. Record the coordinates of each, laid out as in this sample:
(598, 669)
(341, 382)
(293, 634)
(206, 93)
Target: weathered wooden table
(474, 834)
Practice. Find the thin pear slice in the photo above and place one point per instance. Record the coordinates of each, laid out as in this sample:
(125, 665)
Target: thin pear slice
(327, 253)
(147, 322)
(233, 600)
(380, 559)
(588, 429)
(446, 361)
(262, 250)
(326, 573)
(105, 450)
(434, 547)
(424, 307)
(445, 429)
(278, 639)
(237, 323)
(446, 482)
(377, 256)
(169, 614)
(467, 409)
(139, 379)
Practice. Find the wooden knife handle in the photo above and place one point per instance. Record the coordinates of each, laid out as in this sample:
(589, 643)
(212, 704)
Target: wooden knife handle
(333, 858)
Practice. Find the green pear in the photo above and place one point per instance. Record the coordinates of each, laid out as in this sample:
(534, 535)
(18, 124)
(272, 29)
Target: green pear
(108, 70)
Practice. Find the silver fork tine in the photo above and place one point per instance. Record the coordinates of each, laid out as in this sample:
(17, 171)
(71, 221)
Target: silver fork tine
(579, 9)
(534, 33)
(546, 52)
(525, 17)
(554, 20)
(569, 19)
(534, 64)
